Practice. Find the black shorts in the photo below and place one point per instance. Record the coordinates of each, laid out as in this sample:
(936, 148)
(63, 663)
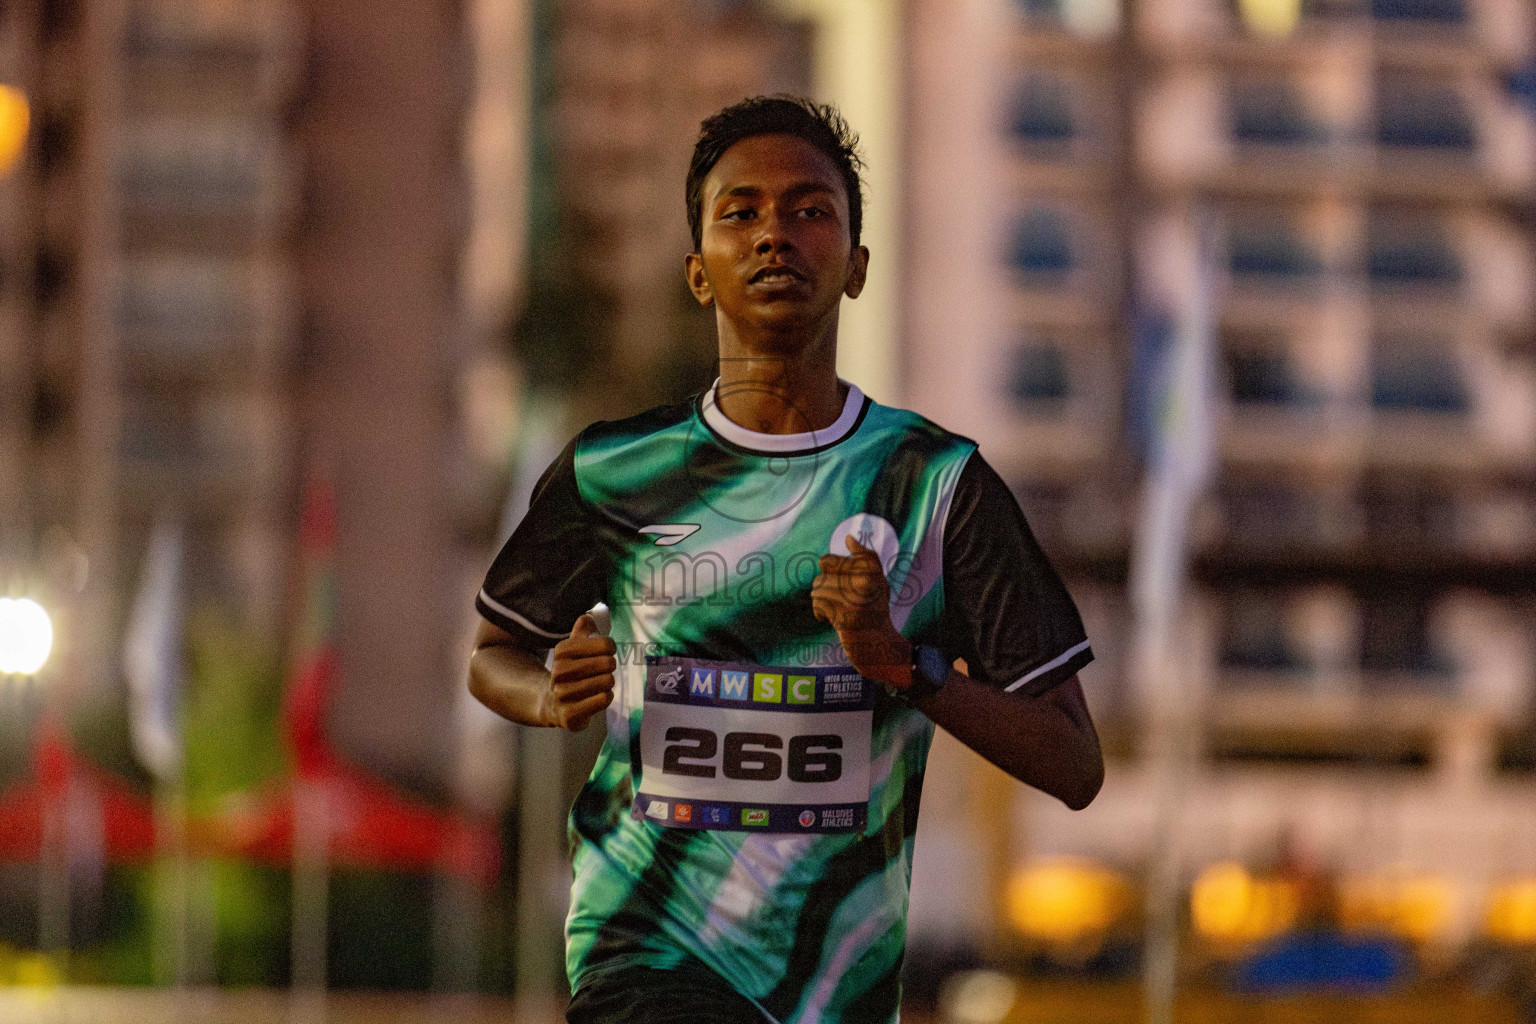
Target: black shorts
(687, 994)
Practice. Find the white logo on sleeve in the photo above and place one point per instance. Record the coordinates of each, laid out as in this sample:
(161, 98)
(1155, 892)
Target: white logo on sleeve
(668, 534)
(872, 531)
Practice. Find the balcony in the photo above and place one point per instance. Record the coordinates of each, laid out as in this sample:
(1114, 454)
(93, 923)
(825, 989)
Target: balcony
(180, 170)
(1272, 113)
(1042, 114)
(1259, 378)
(1039, 377)
(1398, 650)
(1401, 251)
(1437, 12)
(1410, 375)
(1414, 114)
(1256, 638)
(1271, 252)
(1043, 244)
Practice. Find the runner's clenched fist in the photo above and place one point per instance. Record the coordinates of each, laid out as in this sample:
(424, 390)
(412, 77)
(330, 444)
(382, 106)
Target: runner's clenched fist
(580, 677)
(852, 596)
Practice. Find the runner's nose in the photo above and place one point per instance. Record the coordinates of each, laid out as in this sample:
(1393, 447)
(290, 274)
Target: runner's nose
(773, 238)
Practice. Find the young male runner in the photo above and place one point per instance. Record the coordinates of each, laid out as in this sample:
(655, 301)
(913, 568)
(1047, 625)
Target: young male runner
(791, 570)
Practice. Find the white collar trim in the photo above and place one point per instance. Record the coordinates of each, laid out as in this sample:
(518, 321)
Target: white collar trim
(783, 443)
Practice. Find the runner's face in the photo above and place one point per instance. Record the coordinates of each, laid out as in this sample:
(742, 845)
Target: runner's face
(776, 253)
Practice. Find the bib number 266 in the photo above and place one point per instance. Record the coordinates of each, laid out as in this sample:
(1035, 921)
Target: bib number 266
(751, 756)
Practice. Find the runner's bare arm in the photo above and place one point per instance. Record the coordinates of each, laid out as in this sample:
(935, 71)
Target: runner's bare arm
(513, 682)
(1048, 741)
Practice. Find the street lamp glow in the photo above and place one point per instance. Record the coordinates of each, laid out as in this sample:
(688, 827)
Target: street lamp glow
(26, 636)
(15, 119)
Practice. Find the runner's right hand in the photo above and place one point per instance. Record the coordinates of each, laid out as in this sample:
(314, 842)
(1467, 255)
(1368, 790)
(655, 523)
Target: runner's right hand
(581, 677)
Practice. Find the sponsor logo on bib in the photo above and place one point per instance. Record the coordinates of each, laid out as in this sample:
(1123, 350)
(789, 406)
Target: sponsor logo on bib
(682, 813)
(668, 682)
(755, 816)
(807, 818)
(656, 809)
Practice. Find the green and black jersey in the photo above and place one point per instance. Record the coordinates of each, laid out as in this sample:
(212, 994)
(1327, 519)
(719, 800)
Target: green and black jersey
(753, 806)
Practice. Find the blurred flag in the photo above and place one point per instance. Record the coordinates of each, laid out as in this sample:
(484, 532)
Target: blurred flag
(1173, 389)
(313, 668)
(1180, 449)
(153, 656)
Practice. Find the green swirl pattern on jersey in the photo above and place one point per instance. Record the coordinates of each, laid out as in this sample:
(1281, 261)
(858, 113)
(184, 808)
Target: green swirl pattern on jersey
(812, 927)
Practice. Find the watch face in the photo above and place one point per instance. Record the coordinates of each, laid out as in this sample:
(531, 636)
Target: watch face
(933, 666)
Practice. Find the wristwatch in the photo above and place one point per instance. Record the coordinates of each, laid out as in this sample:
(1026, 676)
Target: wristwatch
(930, 671)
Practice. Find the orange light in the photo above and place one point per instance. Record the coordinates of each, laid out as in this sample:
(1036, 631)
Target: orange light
(15, 120)
(1064, 900)
(1412, 906)
(1512, 912)
(1228, 904)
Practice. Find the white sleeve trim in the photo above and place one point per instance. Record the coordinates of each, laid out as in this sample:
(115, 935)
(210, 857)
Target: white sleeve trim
(1053, 663)
(497, 606)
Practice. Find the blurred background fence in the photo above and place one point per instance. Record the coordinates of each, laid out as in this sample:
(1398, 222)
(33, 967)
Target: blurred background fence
(298, 298)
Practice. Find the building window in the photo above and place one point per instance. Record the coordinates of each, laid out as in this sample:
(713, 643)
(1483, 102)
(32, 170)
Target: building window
(1043, 243)
(1254, 635)
(1395, 640)
(1262, 378)
(1412, 113)
(216, 170)
(1043, 112)
(1271, 112)
(1264, 514)
(1417, 375)
(1444, 12)
(1039, 375)
(1409, 513)
(1410, 251)
(175, 305)
(1272, 250)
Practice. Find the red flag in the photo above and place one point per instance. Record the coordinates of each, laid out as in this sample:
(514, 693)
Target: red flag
(371, 824)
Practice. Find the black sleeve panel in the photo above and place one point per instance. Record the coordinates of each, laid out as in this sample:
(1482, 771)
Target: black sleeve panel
(553, 567)
(1006, 611)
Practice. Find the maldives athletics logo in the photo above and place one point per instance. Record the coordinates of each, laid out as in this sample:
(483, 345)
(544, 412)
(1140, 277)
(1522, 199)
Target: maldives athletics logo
(807, 818)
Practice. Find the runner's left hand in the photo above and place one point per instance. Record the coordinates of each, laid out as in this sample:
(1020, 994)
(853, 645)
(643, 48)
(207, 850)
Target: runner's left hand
(852, 596)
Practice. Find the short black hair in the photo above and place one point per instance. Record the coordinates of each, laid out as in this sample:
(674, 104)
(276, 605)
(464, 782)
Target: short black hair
(817, 123)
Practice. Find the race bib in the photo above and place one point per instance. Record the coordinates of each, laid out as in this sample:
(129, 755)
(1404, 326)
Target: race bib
(754, 748)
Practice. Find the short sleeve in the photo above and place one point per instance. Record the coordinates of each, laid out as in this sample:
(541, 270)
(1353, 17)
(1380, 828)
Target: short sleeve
(1006, 611)
(553, 567)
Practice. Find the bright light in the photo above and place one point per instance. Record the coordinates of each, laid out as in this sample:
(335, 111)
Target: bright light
(1275, 18)
(1512, 912)
(1228, 904)
(15, 119)
(1064, 900)
(978, 997)
(1413, 906)
(26, 636)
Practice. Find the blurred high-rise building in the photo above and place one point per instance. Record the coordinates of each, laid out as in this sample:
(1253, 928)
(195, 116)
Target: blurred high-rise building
(1346, 185)
(149, 308)
(621, 89)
